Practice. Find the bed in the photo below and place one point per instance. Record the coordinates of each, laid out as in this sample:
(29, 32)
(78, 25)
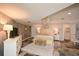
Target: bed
(42, 45)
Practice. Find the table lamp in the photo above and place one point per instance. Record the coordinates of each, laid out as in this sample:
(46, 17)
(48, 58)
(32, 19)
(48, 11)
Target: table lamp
(8, 28)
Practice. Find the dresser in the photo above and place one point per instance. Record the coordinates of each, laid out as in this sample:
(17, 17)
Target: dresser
(12, 46)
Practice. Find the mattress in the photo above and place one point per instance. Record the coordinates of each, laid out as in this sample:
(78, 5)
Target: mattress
(38, 49)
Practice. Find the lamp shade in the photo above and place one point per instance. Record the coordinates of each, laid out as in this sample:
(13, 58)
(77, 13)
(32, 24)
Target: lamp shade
(8, 27)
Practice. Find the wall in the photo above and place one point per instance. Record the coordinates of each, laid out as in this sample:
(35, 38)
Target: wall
(4, 19)
(52, 26)
(33, 31)
(25, 31)
(2, 34)
(50, 30)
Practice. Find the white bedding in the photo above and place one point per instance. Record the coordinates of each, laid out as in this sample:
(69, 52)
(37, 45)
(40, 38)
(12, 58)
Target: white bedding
(38, 50)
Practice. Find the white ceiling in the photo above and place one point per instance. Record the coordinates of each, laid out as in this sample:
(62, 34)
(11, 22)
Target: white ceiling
(21, 12)
(40, 10)
(63, 16)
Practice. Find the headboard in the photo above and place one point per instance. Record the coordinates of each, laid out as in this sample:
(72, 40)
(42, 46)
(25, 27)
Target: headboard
(46, 38)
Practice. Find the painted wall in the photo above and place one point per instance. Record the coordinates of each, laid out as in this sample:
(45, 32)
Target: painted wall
(21, 28)
(50, 30)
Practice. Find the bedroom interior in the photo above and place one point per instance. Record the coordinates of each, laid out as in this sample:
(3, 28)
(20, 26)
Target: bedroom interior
(44, 29)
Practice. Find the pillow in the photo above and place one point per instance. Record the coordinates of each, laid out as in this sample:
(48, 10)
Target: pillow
(40, 42)
(43, 40)
(49, 42)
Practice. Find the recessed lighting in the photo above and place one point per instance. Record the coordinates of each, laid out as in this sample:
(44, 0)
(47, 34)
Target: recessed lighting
(69, 13)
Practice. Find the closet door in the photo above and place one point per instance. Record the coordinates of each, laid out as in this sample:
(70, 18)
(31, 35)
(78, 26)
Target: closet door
(73, 32)
(67, 34)
(77, 31)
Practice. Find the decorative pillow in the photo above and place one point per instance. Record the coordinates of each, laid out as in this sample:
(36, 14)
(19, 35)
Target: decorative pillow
(41, 42)
(49, 42)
